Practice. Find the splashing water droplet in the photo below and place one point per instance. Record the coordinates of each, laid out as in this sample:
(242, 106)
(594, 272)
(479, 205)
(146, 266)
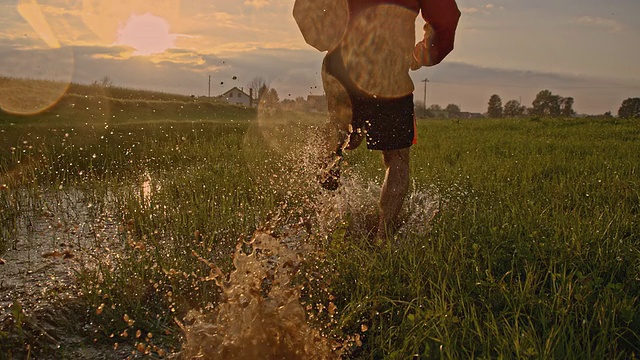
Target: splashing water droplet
(260, 315)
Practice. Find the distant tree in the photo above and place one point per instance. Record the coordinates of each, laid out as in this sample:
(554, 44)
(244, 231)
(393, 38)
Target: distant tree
(630, 108)
(105, 82)
(567, 107)
(269, 99)
(513, 108)
(258, 84)
(546, 104)
(435, 107)
(272, 96)
(495, 107)
(420, 110)
(263, 91)
(453, 109)
(608, 114)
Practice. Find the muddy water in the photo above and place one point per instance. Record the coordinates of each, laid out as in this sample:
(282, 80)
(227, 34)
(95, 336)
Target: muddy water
(260, 315)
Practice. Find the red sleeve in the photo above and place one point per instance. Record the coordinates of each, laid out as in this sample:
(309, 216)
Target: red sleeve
(443, 16)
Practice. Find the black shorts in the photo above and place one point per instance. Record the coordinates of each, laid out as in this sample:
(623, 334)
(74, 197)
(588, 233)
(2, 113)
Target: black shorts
(388, 123)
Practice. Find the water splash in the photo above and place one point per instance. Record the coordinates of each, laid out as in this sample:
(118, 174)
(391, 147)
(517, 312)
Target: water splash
(421, 206)
(356, 199)
(259, 315)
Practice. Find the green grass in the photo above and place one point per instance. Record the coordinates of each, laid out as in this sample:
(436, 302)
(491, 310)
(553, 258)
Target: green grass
(533, 254)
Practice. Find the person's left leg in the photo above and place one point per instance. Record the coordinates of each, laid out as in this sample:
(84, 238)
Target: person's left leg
(394, 190)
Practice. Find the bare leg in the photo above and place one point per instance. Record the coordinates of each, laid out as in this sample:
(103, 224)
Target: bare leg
(332, 149)
(337, 132)
(340, 113)
(394, 189)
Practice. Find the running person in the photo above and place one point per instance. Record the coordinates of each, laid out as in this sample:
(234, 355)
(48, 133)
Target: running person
(371, 47)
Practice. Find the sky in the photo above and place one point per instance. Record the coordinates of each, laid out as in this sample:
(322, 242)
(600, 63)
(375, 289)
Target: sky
(585, 49)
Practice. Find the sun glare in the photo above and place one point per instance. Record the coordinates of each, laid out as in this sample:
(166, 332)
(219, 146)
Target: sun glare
(147, 34)
(32, 13)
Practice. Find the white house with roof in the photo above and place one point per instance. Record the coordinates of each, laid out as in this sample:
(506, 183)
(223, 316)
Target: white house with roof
(237, 96)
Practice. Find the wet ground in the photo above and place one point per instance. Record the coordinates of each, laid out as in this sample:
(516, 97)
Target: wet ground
(41, 316)
(39, 311)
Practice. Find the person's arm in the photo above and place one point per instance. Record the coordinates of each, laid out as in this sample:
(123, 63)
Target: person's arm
(442, 20)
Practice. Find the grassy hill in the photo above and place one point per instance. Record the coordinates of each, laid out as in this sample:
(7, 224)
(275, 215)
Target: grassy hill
(28, 100)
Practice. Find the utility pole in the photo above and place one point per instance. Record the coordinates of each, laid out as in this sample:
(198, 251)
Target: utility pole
(209, 85)
(425, 81)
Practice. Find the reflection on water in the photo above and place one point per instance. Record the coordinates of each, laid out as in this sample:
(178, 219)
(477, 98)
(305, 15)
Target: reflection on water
(260, 315)
(145, 188)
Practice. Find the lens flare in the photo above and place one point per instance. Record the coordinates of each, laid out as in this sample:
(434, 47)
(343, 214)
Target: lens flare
(322, 22)
(53, 66)
(104, 18)
(29, 96)
(30, 10)
(365, 50)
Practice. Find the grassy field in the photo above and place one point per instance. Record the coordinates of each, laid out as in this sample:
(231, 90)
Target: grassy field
(533, 253)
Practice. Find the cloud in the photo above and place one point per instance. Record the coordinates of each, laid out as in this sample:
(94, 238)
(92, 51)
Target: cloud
(258, 4)
(203, 27)
(466, 74)
(61, 11)
(50, 64)
(181, 71)
(485, 10)
(180, 56)
(609, 25)
(469, 10)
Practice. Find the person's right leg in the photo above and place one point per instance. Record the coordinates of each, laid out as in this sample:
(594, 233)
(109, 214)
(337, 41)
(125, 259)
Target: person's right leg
(394, 190)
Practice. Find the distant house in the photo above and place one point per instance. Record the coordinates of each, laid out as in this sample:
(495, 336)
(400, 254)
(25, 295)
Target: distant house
(237, 96)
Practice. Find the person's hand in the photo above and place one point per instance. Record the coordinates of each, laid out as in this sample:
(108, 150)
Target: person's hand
(425, 53)
(420, 56)
(416, 55)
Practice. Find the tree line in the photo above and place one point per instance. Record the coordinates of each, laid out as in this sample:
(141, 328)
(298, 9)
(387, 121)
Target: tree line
(547, 104)
(435, 110)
